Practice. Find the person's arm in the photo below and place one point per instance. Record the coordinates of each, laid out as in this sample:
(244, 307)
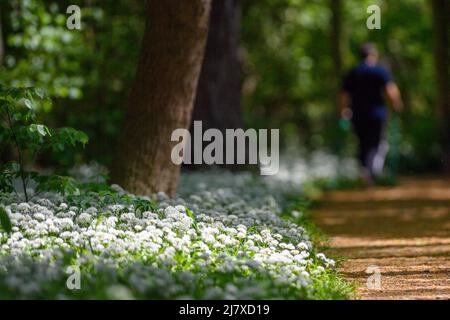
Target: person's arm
(394, 96)
(344, 105)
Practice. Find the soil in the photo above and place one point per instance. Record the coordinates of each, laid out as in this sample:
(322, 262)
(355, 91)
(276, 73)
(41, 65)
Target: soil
(404, 231)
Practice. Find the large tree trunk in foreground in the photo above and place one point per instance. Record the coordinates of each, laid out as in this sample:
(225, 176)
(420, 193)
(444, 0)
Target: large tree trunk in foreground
(162, 96)
(218, 100)
(441, 12)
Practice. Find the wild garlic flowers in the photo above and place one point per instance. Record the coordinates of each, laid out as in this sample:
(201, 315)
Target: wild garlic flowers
(226, 242)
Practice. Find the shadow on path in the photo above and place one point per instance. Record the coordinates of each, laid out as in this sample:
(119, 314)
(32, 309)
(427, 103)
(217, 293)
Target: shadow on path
(403, 230)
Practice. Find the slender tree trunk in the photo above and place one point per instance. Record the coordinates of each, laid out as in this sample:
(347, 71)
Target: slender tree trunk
(2, 42)
(338, 139)
(162, 96)
(218, 100)
(441, 12)
(336, 46)
(336, 36)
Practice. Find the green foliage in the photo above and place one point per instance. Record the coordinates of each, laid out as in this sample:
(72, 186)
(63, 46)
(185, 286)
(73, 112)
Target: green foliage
(5, 222)
(331, 286)
(101, 196)
(63, 137)
(298, 211)
(87, 73)
(143, 205)
(288, 69)
(289, 81)
(57, 183)
(41, 51)
(192, 216)
(18, 129)
(9, 172)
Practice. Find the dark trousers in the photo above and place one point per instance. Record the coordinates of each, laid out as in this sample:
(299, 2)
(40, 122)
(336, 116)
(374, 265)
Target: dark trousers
(373, 145)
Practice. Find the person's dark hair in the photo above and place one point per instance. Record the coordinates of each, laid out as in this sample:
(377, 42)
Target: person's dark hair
(367, 49)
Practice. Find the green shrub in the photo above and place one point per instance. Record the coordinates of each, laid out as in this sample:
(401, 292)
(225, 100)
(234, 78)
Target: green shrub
(20, 130)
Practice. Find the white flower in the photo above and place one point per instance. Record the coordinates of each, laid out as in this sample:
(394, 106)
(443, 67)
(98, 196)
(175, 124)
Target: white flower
(39, 216)
(237, 229)
(84, 219)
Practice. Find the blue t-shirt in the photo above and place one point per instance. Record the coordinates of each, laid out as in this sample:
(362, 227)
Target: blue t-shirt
(365, 84)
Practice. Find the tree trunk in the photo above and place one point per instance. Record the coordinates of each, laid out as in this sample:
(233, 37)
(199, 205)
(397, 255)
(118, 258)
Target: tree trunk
(2, 42)
(441, 12)
(335, 32)
(336, 36)
(162, 96)
(218, 100)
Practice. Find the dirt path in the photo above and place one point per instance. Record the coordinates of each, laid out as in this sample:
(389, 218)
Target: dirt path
(404, 231)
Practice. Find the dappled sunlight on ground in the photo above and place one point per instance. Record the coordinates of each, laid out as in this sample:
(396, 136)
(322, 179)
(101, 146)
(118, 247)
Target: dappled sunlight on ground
(404, 230)
(426, 189)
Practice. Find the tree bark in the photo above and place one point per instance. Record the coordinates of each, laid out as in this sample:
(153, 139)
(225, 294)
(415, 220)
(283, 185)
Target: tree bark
(441, 12)
(218, 100)
(162, 96)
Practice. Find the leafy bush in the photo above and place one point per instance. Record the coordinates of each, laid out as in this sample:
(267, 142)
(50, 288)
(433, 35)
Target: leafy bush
(20, 130)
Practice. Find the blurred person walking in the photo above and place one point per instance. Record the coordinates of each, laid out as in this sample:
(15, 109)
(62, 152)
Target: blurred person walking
(361, 101)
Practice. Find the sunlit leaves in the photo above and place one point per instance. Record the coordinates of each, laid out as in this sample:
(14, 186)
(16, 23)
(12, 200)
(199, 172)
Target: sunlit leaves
(28, 103)
(39, 129)
(44, 50)
(29, 138)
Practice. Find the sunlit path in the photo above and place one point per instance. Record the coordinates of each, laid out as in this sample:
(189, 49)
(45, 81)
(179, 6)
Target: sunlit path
(404, 230)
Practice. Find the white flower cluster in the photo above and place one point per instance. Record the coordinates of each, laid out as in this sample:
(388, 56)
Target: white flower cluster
(223, 242)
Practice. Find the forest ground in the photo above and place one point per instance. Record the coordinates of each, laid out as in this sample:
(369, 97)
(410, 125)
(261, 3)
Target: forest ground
(404, 230)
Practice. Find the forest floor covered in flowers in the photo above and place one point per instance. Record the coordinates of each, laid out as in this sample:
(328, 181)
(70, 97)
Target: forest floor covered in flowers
(229, 236)
(403, 232)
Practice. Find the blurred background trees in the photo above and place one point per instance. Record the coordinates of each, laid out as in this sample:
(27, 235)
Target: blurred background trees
(441, 14)
(278, 61)
(291, 67)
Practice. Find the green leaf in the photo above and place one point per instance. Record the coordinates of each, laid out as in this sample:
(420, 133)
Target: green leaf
(83, 138)
(192, 216)
(5, 222)
(67, 137)
(61, 184)
(143, 205)
(28, 103)
(39, 92)
(42, 130)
